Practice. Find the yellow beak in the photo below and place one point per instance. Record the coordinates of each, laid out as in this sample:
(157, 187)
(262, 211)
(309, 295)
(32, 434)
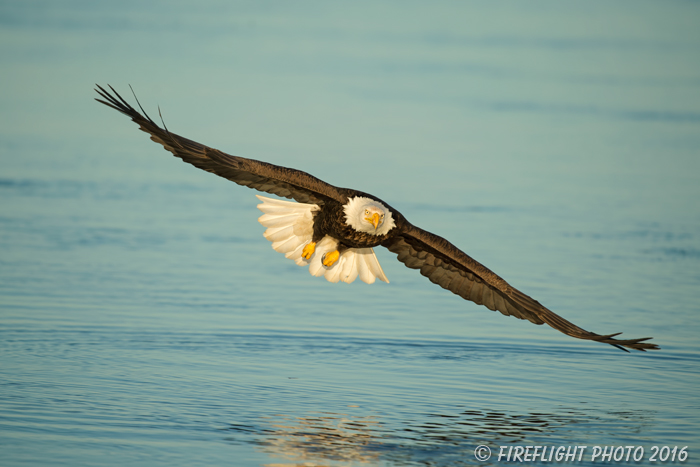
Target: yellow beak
(373, 219)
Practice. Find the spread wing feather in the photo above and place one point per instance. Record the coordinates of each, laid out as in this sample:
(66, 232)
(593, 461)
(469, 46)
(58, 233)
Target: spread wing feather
(452, 269)
(435, 257)
(280, 181)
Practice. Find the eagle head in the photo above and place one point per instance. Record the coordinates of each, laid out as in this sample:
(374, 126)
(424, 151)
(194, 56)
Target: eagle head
(368, 215)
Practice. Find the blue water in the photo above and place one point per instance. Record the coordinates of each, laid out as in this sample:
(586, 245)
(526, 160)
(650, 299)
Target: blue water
(144, 319)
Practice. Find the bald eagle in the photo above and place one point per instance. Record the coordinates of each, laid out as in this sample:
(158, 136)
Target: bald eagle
(333, 231)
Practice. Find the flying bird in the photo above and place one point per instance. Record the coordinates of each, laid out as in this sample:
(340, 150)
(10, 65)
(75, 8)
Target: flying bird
(333, 231)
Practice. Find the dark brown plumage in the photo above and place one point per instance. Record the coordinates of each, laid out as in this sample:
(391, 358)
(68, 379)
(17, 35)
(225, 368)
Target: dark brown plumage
(330, 221)
(436, 258)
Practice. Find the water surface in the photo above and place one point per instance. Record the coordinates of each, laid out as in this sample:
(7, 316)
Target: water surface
(144, 320)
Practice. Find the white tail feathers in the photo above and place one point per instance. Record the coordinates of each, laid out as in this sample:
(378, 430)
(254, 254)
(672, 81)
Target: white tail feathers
(290, 227)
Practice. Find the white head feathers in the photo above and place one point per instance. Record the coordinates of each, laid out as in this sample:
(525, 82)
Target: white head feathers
(360, 211)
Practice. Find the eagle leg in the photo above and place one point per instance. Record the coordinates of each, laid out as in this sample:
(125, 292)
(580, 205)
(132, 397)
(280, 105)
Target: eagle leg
(330, 258)
(308, 250)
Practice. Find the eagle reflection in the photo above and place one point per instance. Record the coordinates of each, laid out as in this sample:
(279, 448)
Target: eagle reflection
(333, 437)
(433, 439)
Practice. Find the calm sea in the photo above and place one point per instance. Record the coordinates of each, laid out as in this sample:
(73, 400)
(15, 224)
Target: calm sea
(144, 319)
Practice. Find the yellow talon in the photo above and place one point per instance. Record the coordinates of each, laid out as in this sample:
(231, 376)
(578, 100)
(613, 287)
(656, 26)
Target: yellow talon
(308, 250)
(330, 258)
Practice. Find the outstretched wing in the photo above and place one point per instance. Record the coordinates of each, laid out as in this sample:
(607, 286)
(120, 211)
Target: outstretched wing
(452, 269)
(437, 259)
(280, 181)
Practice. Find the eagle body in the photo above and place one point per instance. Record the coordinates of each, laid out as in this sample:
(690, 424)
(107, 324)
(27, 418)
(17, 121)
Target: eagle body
(331, 220)
(294, 227)
(333, 231)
